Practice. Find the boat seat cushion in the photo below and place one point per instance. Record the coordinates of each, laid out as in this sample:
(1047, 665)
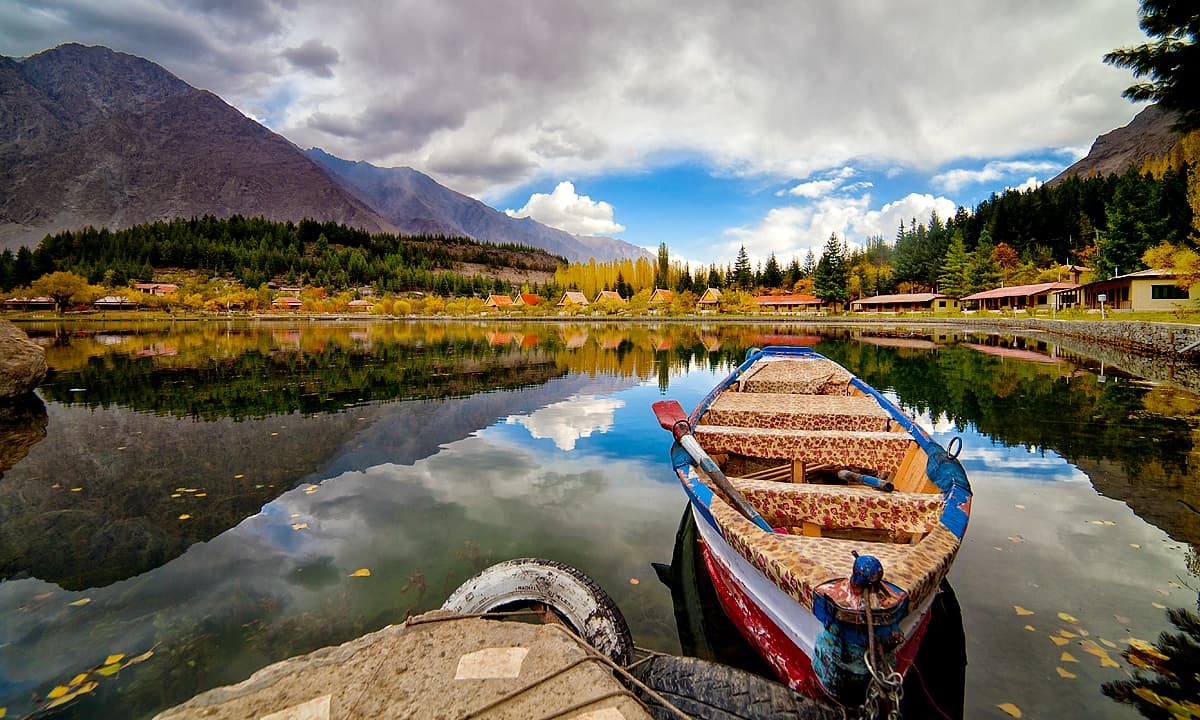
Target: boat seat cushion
(799, 412)
(814, 376)
(839, 506)
(798, 564)
(881, 452)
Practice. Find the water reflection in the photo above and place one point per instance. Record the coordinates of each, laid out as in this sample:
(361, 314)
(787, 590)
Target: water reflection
(425, 451)
(22, 426)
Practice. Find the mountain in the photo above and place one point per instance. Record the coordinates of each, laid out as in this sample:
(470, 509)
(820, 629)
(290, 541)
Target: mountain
(1148, 135)
(416, 203)
(89, 136)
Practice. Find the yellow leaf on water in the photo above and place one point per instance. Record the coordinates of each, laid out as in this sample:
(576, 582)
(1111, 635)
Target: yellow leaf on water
(1067, 618)
(361, 572)
(1022, 611)
(1135, 546)
(185, 516)
(1067, 634)
(310, 489)
(175, 495)
(78, 489)
(1030, 628)
(1146, 648)
(1066, 674)
(1016, 539)
(1067, 657)
(1019, 506)
(63, 700)
(108, 669)
(113, 659)
(239, 476)
(1094, 649)
(1059, 641)
(1109, 643)
(201, 494)
(78, 679)
(1011, 709)
(299, 526)
(140, 658)
(274, 434)
(80, 602)
(3, 712)
(58, 692)
(1160, 606)
(634, 581)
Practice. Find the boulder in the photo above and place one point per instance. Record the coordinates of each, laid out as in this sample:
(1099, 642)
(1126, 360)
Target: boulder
(22, 363)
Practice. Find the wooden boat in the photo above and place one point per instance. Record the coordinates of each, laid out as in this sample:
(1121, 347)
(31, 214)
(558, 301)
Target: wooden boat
(828, 519)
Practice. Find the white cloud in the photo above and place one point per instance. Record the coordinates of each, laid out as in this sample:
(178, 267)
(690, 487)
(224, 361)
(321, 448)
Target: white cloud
(958, 178)
(820, 188)
(1030, 183)
(795, 229)
(568, 421)
(566, 210)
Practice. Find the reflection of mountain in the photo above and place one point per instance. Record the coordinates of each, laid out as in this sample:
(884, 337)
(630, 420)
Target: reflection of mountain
(1138, 439)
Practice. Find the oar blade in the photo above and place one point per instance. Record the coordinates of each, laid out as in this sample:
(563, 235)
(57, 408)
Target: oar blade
(669, 413)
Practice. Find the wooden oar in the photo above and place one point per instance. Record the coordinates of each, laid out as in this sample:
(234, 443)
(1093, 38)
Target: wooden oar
(671, 416)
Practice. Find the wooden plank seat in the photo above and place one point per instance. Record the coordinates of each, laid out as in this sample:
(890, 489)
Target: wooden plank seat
(812, 376)
(841, 506)
(786, 411)
(881, 452)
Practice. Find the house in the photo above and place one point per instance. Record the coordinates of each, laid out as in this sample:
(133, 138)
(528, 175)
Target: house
(1142, 291)
(661, 296)
(1018, 297)
(905, 302)
(40, 302)
(610, 295)
(527, 299)
(790, 303)
(710, 299)
(287, 303)
(361, 305)
(115, 302)
(156, 288)
(573, 297)
(498, 301)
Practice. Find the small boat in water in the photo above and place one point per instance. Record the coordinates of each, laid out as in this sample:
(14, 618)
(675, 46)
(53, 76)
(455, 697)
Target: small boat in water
(828, 518)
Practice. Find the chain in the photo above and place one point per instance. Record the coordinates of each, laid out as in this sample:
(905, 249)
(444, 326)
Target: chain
(887, 685)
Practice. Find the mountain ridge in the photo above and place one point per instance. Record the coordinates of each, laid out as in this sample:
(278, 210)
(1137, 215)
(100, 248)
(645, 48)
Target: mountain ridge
(1148, 135)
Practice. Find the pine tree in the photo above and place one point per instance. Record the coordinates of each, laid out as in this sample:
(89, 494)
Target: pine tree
(832, 274)
(1171, 61)
(955, 276)
(662, 271)
(743, 276)
(772, 273)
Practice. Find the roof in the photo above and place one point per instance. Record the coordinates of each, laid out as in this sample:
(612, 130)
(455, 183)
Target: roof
(711, 295)
(499, 300)
(287, 301)
(38, 299)
(900, 298)
(788, 300)
(528, 299)
(608, 295)
(661, 294)
(1021, 290)
(573, 296)
(114, 300)
(361, 303)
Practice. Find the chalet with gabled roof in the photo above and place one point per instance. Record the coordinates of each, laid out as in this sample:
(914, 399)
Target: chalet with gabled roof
(573, 297)
(661, 295)
(610, 295)
(498, 301)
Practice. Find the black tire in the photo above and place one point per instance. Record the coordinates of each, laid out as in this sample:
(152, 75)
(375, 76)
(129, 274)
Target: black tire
(573, 596)
(712, 691)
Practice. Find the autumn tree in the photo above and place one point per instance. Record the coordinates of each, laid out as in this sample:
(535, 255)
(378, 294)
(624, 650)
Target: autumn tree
(65, 288)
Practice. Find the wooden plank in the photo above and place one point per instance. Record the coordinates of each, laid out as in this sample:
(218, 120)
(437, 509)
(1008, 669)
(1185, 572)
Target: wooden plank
(798, 475)
(811, 529)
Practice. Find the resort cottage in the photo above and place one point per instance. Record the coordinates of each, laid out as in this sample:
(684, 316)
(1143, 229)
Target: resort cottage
(905, 302)
(1142, 291)
(1018, 297)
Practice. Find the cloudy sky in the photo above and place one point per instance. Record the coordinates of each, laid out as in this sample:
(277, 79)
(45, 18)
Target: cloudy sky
(730, 122)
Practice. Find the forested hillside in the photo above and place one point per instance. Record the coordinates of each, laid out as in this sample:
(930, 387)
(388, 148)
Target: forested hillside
(255, 251)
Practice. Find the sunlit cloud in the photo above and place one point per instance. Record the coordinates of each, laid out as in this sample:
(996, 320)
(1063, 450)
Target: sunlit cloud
(567, 210)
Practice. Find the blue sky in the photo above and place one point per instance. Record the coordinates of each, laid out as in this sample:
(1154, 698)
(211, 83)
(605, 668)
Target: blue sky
(707, 126)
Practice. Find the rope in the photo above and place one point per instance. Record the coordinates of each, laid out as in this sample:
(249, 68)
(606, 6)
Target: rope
(928, 695)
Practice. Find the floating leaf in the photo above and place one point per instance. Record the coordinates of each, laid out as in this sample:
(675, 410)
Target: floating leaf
(239, 476)
(361, 572)
(1059, 641)
(1103, 522)
(1135, 546)
(310, 489)
(299, 526)
(1145, 648)
(1019, 506)
(1016, 539)
(78, 489)
(108, 669)
(3, 712)
(295, 515)
(1109, 643)
(634, 581)
(58, 692)
(1066, 674)
(122, 447)
(1022, 611)
(140, 658)
(1067, 618)
(1093, 649)
(113, 659)
(1030, 628)
(1160, 606)
(1011, 709)
(80, 602)
(201, 494)
(71, 696)
(274, 434)
(1067, 657)
(997, 549)
(1067, 634)
(1122, 619)
(185, 516)
(78, 679)
(175, 495)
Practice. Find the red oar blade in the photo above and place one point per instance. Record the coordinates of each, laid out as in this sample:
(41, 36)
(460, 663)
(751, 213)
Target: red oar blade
(669, 413)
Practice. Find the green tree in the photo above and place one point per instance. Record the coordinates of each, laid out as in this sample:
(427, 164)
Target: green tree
(1171, 61)
(832, 274)
(772, 274)
(662, 271)
(65, 288)
(983, 273)
(743, 276)
(955, 276)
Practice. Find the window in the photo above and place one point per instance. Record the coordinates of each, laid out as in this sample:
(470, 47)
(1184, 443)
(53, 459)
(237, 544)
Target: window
(1168, 292)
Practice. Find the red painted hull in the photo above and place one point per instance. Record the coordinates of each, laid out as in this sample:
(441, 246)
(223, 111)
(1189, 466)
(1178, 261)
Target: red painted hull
(791, 663)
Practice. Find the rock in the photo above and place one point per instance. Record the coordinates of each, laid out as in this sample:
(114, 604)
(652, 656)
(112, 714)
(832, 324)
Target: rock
(22, 363)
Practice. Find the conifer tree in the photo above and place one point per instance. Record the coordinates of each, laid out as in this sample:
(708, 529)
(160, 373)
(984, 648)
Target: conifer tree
(832, 274)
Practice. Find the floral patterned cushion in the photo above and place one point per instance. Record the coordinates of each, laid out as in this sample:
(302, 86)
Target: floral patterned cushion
(881, 452)
(837, 506)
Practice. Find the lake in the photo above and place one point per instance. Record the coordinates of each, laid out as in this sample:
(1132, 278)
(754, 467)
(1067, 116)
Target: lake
(206, 492)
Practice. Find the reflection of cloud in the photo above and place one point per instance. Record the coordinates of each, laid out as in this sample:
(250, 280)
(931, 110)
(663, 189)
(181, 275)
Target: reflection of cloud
(565, 422)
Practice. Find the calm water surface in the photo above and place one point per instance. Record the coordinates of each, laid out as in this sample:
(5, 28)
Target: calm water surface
(206, 491)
